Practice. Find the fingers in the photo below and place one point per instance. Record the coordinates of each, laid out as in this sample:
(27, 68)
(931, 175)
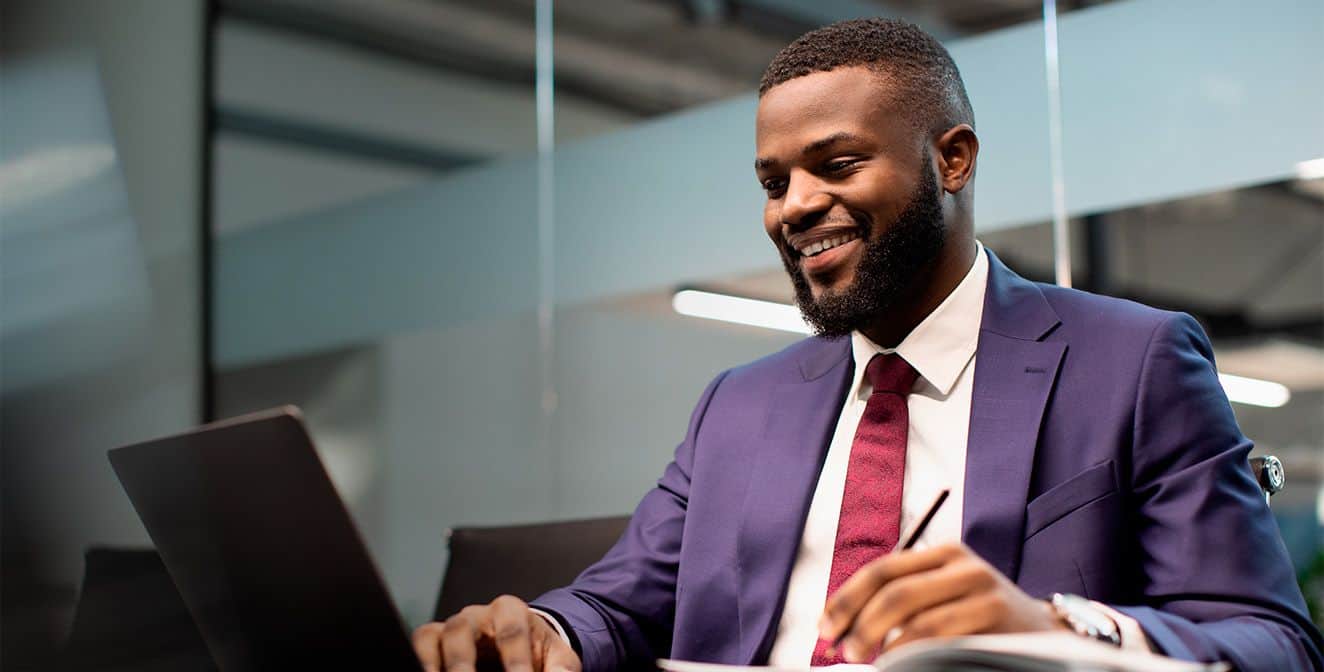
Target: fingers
(911, 597)
(504, 629)
(427, 646)
(965, 616)
(509, 629)
(844, 605)
(459, 637)
(451, 643)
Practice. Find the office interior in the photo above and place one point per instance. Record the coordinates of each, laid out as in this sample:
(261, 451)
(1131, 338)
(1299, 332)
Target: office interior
(453, 232)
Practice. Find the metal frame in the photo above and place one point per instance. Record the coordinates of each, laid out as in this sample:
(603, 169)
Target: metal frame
(229, 119)
(206, 194)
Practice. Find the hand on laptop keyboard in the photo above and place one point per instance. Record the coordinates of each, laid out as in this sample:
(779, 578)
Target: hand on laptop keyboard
(504, 633)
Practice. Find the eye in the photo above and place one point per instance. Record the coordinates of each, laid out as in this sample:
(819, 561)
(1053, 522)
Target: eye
(838, 165)
(774, 186)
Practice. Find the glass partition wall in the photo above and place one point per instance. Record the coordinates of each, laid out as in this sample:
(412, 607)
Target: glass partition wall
(376, 258)
(100, 256)
(452, 231)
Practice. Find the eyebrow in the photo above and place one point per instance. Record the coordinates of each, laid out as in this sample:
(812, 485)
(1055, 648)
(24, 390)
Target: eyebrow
(813, 147)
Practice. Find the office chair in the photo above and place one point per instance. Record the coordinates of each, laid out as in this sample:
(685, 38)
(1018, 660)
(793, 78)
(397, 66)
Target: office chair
(130, 617)
(521, 560)
(1269, 474)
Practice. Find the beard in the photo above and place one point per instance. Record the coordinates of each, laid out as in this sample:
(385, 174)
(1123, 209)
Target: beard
(892, 265)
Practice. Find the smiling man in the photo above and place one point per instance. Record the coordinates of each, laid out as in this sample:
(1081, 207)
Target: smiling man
(1098, 480)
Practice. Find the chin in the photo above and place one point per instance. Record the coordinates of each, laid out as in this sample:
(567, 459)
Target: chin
(838, 287)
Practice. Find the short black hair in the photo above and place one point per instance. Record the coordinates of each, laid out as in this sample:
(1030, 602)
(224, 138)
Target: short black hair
(898, 50)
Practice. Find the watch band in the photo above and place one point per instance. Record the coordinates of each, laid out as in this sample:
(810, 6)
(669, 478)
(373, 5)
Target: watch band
(1085, 619)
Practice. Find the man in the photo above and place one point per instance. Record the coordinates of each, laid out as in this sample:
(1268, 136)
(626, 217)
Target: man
(1088, 447)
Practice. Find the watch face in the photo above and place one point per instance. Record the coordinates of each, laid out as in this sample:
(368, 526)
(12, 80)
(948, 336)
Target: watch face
(1274, 469)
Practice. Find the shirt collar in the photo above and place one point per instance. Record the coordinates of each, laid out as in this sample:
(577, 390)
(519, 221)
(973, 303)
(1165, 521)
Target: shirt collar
(942, 345)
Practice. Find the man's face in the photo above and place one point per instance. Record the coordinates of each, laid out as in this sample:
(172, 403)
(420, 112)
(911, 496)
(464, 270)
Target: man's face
(853, 203)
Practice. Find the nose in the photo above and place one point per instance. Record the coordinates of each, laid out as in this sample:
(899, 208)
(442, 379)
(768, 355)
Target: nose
(805, 201)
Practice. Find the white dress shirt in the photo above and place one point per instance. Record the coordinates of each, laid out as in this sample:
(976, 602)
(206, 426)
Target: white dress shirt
(942, 350)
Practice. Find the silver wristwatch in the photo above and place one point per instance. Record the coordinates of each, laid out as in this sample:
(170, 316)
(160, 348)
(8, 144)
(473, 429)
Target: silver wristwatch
(1086, 619)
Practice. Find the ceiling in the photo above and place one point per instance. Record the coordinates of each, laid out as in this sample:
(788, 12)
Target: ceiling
(647, 57)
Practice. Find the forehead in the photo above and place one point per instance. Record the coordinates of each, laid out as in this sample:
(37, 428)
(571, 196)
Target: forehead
(855, 100)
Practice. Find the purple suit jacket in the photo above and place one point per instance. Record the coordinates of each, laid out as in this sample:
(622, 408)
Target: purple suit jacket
(1103, 460)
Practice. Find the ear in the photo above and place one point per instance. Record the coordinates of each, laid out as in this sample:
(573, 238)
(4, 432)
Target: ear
(956, 151)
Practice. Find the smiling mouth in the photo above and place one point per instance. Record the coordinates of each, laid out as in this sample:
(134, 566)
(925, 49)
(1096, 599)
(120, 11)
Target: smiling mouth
(817, 247)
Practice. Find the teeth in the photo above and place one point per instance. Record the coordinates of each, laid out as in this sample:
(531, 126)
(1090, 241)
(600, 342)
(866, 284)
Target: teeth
(815, 248)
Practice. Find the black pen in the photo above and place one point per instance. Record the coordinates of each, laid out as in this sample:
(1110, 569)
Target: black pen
(918, 528)
(912, 535)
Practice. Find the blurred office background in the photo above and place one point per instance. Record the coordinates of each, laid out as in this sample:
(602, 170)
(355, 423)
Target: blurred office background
(460, 260)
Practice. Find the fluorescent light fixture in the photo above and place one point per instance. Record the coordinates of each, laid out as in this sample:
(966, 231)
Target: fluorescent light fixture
(773, 315)
(1253, 391)
(753, 312)
(1310, 170)
(47, 172)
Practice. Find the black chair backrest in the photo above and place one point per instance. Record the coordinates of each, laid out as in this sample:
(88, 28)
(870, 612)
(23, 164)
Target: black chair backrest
(131, 617)
(521, 560)
(1269, 473)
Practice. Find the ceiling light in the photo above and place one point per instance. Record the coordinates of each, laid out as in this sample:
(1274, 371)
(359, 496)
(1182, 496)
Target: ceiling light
(48, 172)
(1310, 170)
(753, 312)
(784, 317)
(1254, 391)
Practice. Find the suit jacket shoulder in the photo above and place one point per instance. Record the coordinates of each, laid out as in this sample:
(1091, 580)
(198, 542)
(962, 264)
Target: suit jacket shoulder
(1118, 319)
(803, 360)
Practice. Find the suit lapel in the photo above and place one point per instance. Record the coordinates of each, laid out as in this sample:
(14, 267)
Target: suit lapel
(801, 419)
(1012, 382)
(1014, 376)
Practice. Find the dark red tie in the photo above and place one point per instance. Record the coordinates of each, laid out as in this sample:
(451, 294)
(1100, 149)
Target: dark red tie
(870, 520)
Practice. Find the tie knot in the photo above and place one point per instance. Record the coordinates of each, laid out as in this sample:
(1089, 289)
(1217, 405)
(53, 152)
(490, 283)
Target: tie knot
(891, 373)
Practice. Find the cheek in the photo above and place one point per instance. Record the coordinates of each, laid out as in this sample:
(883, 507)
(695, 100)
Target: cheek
(883, 190)
(772, 223)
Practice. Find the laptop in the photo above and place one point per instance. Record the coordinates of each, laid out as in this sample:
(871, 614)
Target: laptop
(262, 549)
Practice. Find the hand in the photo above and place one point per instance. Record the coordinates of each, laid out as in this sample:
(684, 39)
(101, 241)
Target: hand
(937, 592)
(503, 632)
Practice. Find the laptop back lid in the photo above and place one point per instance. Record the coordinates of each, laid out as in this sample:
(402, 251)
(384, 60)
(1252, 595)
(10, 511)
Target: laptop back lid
(262, 548)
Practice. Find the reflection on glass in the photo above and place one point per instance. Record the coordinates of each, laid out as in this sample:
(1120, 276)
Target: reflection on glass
(70, 251)
(99, 287)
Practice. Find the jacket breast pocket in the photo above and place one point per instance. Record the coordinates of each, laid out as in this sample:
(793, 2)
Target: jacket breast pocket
(1062, 499)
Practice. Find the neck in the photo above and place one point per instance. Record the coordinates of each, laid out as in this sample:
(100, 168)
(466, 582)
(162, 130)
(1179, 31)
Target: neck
(926, 294)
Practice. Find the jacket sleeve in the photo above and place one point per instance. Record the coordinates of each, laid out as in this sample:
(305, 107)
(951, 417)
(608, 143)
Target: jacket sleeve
(621, 609)
(1215, 578)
